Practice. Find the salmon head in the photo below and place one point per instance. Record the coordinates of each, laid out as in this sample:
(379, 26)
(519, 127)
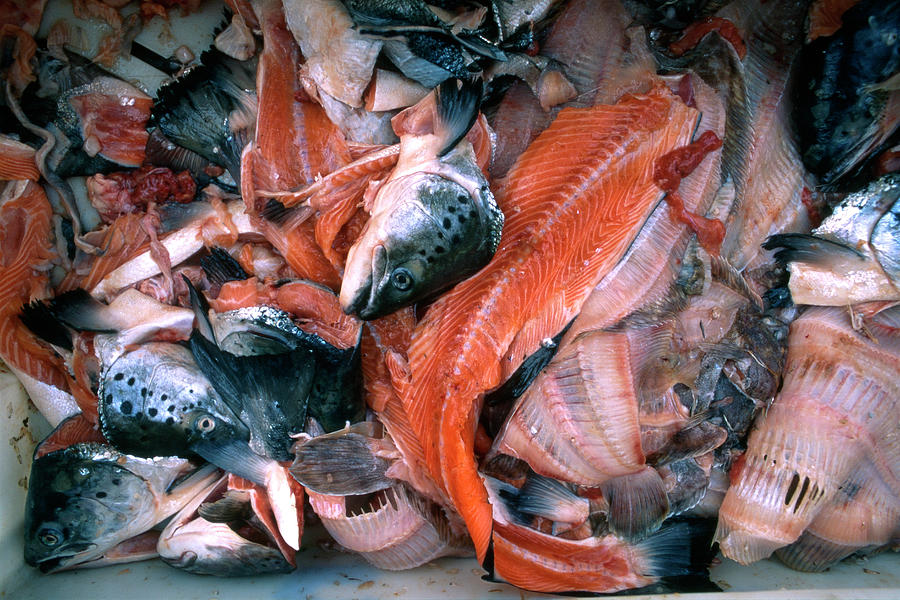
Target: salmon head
(434, 233)
(155, 401)
(87, 498)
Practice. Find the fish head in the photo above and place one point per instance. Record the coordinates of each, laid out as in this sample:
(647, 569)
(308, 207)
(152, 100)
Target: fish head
(81, 502)
(155, 401)
(220, 532)
(432, 233)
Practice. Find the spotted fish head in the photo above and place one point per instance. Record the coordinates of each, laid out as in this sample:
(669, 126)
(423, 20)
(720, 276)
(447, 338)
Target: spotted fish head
(80, 503)
(155, 401)
(434, 233)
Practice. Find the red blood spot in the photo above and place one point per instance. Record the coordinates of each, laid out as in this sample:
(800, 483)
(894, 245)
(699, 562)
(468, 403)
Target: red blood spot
(670, 169)
(697, 31)
(806, 196)
(686, 91)
(483, 441)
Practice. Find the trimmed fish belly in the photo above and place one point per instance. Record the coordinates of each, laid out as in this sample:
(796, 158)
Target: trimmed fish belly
(832, 428)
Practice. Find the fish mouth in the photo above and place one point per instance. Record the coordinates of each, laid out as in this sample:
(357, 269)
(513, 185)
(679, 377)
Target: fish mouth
(361, 300)
(70, 560)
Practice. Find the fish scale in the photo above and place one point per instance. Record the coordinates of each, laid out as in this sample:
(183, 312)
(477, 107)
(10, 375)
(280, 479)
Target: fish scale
(585, 183)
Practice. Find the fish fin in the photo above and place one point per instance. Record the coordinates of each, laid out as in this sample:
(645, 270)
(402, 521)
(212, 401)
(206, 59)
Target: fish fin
(340, 465)
(637, 503)
(235, 456)
(81, 311)
(458, 101)
(812, 554)
(284, 505)
(533, 364)
(806, 248)
(725, 273)
(694, 439)
(682, 548)
(220, 267)
(272, 390)
(275, 212)
(550, 498)
(233, 506)
(201, 311)
(40, 320)
(503, 498)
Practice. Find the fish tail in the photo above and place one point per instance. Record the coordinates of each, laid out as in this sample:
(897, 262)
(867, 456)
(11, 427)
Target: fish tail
(37, 317)
(683, 548)
(637, 503)
(806, 248)
(458, 101)
(549, 498)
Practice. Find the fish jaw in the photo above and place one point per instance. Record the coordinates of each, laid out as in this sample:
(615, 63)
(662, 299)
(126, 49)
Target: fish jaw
(365, 266)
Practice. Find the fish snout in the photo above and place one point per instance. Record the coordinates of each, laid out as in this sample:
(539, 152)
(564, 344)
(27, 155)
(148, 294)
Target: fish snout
(364, 269)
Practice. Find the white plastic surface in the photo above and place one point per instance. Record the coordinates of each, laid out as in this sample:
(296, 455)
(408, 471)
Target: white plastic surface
(323, 572)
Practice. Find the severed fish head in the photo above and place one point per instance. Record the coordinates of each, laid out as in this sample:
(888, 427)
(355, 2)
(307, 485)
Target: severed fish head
(222, 532)
(433, 233)
(86, 499)
(155, 401)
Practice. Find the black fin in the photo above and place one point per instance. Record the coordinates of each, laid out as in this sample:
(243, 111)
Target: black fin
(41, 321)
(683, 547)
(79, 310)
(802, 247)
(197, 110)
(499, 402)
(458, 101)
(163, 152)
(550, 498)
(507, 494)
(220, 267)
(235, 456)
(233, 506)
(269, 392)
(637, 503)
(336, 394)
(201, 312)
(275, 212)
(340, 465)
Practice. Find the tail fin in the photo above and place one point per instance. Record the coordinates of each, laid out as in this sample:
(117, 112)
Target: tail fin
(637, 503)
(79, 310)
(552, 499)
(457, 108)
(41, 321)
(682, 548)
(805, 248)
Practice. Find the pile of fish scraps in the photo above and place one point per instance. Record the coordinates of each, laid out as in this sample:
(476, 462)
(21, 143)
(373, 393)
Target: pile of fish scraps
(585, 290)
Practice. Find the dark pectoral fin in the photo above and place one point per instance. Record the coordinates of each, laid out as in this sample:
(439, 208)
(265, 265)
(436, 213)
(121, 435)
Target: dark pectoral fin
(41, 321)
(79, 310)
(458, 101)
(637, 503)
(268, 392)
(235, 456)
(221, 268)
(806, 248)
(340, 465)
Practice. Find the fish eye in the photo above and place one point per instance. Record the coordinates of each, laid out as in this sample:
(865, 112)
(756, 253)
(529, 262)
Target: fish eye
(49, 537)
(205, 424)
(401, 279)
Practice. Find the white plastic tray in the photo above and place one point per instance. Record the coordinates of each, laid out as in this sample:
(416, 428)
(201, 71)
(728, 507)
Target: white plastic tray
(322, 573)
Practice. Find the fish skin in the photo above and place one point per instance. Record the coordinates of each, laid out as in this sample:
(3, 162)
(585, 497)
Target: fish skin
(137, 390)
(434, 220)
(86, 499)
(196, 545)
(454, 357)
(842, 116)
(853, 256)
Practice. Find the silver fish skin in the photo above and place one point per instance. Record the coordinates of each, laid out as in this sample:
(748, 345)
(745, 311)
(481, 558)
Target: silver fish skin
(87, 498)
(434, 221)
(155, 401)
(853, 256)
(214, 547)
